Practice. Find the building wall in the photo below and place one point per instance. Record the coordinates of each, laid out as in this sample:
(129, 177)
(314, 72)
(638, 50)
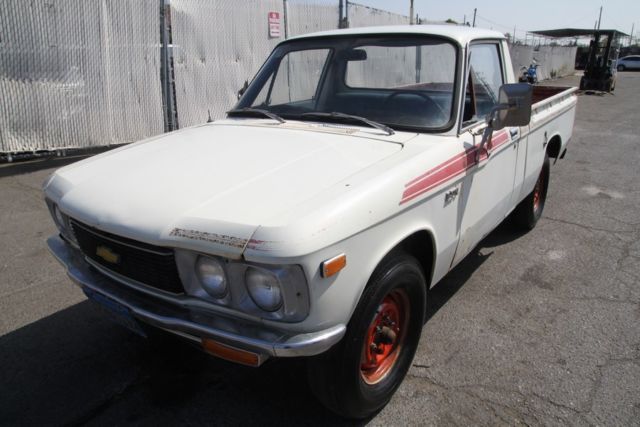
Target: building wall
(555, 61)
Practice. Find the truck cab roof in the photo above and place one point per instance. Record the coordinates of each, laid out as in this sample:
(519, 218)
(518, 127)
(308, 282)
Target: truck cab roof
(461, 34)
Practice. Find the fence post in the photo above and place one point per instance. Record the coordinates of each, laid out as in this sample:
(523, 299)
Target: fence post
(344, 22)
(285, 19)
(166, 68)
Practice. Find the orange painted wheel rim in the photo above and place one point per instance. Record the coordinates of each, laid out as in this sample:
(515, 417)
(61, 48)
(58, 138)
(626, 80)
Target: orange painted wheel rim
(385, 336)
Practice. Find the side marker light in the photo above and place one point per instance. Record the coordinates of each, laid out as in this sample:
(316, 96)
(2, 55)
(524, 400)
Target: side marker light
(332, 266)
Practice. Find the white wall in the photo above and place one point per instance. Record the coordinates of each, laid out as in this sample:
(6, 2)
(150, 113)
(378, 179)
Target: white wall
(556, 61)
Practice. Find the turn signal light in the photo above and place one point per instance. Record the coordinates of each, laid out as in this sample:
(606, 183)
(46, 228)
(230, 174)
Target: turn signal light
(332, 266)
(231, 354)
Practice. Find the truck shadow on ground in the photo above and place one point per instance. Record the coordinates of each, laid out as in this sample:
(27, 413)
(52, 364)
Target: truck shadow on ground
(75, 367)
(440, 294)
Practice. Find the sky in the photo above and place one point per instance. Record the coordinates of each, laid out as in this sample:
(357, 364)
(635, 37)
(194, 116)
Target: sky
(525, 16)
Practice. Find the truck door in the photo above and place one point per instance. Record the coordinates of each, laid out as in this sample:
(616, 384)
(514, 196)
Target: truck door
(488, 185)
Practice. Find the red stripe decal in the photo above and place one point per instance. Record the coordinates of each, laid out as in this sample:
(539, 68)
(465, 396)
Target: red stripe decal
(449, 169)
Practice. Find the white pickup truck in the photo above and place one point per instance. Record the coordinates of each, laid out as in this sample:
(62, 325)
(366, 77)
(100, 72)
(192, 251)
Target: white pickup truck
(357, 169)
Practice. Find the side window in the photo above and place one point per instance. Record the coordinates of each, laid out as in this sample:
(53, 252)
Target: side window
(485, 79)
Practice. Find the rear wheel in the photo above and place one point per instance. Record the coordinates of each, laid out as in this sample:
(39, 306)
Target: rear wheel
(529, 211)
(359, 375)
(621, 67)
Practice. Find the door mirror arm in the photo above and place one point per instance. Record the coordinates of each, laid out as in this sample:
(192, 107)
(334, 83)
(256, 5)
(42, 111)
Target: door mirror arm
(513, 109)
(488, 131)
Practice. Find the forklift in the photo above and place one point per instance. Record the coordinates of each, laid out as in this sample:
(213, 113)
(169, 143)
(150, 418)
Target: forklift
(604, 47)
(600, 69)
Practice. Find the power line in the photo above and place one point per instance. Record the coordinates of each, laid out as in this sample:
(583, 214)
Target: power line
(494, 23)
(585, 16)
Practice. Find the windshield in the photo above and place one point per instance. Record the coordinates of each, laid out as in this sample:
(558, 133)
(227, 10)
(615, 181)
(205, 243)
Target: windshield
(401, 82)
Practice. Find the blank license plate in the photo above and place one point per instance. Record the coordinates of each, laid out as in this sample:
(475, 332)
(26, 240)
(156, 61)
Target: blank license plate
(119, 313)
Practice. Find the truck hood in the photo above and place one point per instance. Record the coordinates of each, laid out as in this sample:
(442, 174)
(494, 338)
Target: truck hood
(209, 187)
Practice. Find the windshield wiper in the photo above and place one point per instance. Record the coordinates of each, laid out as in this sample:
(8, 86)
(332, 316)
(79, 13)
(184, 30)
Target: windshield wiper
(254, 111)
(337, 115)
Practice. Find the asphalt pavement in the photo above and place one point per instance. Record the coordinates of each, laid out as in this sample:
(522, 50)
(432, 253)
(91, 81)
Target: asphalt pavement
(541, 328)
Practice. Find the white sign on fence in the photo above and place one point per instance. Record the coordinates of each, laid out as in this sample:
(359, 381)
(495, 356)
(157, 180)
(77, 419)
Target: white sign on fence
(274, 24)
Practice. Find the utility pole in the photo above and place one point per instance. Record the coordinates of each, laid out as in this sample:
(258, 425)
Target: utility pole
(475, 10)
(513, 39)
(633, 27)
(464, 20)
(600, 17)
(411, 17)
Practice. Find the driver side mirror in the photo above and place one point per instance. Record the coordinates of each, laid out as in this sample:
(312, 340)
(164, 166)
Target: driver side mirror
(514, 107)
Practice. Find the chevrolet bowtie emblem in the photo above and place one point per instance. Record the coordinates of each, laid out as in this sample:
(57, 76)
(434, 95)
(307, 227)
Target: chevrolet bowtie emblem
(107, 254)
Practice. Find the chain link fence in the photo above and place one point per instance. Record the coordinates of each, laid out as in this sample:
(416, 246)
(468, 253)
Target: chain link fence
(90, 73)
(217, 46)
(363, 16)
(78, 73)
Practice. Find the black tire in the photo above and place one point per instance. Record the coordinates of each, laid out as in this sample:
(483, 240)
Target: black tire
(621, 67)
(529, 211)
(341, 378)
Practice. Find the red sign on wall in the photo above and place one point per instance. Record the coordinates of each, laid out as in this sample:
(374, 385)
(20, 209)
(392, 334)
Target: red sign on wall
(274, 24)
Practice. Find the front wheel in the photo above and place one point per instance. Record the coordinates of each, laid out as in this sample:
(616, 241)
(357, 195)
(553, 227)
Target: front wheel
(359, 375)
(529, 211)
(621, 67)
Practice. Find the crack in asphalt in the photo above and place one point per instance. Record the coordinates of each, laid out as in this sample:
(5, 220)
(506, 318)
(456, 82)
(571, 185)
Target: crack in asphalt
(467, 389)
(588, 227)
(598, 382)
(108, 401)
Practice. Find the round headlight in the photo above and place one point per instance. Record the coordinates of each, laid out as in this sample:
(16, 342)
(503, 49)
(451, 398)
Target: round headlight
(264, 289)
(211, 276)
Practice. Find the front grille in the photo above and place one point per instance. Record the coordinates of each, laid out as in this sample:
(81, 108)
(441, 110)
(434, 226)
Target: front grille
(151, 265)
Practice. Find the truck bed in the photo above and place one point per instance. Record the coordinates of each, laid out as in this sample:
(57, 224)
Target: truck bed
(540, 93)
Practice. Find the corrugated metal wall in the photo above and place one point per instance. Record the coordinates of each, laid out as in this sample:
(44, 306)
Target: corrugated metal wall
(78, 73)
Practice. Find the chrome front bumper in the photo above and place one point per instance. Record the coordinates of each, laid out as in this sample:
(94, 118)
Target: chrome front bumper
(176, 315)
